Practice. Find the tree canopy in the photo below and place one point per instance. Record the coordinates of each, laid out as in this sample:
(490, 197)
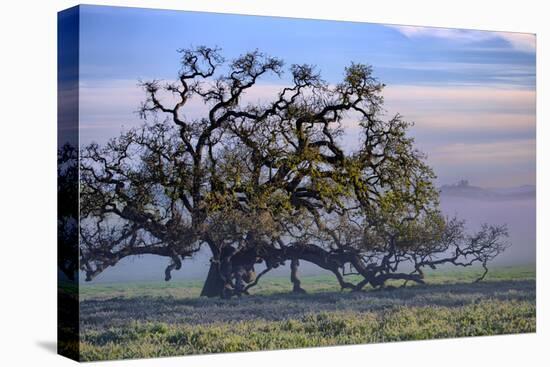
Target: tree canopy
(270, 181)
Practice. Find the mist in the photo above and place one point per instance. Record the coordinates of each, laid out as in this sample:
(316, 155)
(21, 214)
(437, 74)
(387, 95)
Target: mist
(519, 214)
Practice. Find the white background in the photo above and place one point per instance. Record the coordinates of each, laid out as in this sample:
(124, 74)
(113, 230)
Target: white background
(28, 182)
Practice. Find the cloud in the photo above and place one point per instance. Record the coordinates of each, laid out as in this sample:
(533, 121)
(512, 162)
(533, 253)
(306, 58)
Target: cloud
(524, 42)
(447, 33)
(480, 132)
(505, 153)
(463, 107)
(520, 41)
(484, 133)
(111, 104)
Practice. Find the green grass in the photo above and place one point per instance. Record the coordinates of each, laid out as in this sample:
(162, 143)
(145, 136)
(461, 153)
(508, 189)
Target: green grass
(274, 285)
(156, 319)
(139, 340)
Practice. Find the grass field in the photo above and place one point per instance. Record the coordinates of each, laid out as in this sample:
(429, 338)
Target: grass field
(149, 319)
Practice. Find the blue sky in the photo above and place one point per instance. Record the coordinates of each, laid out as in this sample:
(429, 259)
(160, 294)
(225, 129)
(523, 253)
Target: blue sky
(471, 94)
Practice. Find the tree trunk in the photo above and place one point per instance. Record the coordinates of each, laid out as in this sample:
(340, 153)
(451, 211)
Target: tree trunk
(213, 285)
(294, 276)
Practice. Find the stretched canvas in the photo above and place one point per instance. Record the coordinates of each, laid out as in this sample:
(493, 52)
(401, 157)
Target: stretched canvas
(234, 183)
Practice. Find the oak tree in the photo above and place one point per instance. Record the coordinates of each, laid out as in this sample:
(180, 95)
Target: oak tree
(269, 182)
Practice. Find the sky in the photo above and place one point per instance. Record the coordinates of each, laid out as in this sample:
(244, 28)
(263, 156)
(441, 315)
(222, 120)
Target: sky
(471, 94)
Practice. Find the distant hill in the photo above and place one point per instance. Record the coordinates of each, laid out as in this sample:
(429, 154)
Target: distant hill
(465, 190)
